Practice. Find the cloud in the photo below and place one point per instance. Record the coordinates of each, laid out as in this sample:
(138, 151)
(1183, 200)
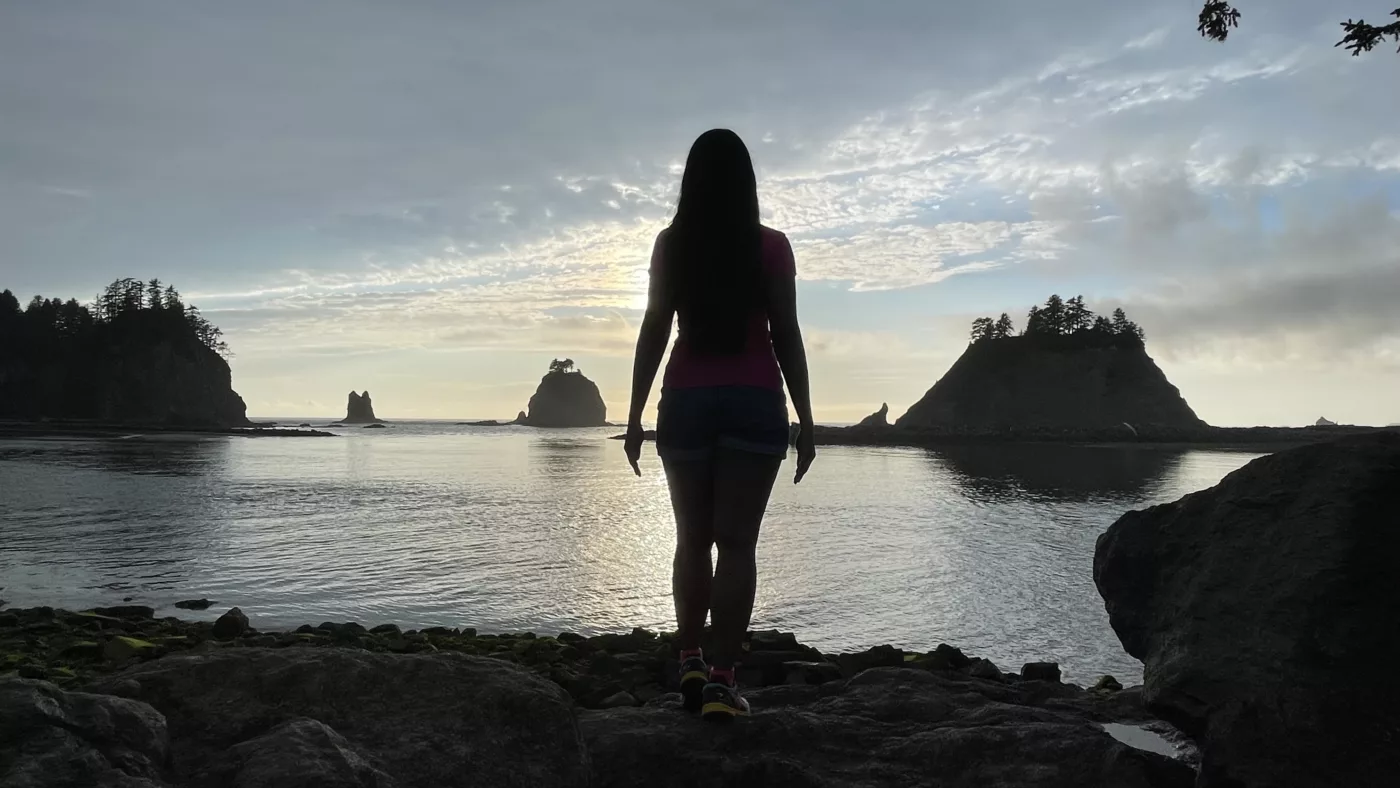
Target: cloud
(348, 180)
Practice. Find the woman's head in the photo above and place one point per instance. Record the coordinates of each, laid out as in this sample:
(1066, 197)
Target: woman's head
(718, 182)
(713, 248)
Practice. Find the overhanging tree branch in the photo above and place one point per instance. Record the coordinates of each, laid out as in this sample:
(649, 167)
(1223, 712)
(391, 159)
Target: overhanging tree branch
(1218, 16)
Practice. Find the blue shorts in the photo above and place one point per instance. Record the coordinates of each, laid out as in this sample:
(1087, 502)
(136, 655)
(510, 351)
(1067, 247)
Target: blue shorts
(692, 422)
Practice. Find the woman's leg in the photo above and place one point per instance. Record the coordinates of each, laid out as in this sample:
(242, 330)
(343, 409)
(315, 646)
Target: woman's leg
(742, 483)
(692, 499)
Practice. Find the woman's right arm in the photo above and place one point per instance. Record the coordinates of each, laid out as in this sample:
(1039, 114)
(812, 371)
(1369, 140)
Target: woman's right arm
(791, 352)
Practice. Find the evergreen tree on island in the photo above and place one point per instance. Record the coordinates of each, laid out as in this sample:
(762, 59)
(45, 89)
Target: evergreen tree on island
(1061, 318)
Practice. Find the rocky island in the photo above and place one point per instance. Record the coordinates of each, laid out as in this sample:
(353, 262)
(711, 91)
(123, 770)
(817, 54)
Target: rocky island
(565, 398)
(1277, 578)
(137, 356)
(359, 409)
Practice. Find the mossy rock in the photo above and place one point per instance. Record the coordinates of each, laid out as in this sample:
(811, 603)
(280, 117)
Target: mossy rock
(122, 648)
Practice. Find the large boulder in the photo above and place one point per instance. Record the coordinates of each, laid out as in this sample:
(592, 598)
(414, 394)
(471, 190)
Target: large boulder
(51, 738)
(886, 726)
(1263, 608)
(1081, 382)
(421, 719)
(566, 398)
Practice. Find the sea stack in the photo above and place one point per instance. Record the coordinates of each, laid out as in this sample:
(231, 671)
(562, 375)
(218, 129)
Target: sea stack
(1085, 381)
(880, 418)
(565, 398)
(359, 410)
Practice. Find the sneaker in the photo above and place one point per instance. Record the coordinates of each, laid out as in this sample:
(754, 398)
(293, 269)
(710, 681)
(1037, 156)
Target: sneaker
(695, 674)
(722, 703)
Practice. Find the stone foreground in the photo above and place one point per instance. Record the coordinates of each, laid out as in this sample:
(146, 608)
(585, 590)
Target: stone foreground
(115, 697)
(333, 717)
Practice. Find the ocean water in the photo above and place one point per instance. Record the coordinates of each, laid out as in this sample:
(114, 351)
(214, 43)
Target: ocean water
(989, 548)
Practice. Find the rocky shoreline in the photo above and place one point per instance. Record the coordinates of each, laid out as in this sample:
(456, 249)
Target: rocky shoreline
(114, 696)
(602, 671)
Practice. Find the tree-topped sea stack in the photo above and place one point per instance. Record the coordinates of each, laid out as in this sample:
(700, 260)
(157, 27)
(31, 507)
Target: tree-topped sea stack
(1068, 370)
(565, 398)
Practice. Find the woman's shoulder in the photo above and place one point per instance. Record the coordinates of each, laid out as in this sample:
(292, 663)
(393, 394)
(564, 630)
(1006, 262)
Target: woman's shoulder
(777, 252)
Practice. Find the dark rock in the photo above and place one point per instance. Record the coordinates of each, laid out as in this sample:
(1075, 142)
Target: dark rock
(877, 657)
(304, 629)
(126, 611)
(773, 640)
(296, 753)
(570, 637)
(8, 620)
(51, 738)
(618, 700)
(497, 725)
(887, 727)
(438, 631)
(374, 427)
(359, 409)
(520, 418)
(1041, 671)
(953, 656)
(386, 629)
(230, 625)
(566, 399)
(1253, 603)
(984, 669)
(1107, 684)
(1062, 382)
(879, 418)
(194, 604)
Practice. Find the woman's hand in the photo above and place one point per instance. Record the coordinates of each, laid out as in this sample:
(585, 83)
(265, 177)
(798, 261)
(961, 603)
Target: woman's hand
(632, 444)
(806, 450)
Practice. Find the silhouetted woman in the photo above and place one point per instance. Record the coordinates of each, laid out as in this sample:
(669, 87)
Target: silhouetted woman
(722, 423)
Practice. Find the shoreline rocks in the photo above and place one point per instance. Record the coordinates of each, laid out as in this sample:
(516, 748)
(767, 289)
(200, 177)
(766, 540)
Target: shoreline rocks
(345, 705)
(1257, 606)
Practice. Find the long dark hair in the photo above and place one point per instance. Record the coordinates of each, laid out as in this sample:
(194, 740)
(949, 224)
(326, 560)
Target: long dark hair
(713, 248)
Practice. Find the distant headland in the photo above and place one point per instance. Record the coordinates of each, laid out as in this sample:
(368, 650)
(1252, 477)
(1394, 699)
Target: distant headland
(137, 355)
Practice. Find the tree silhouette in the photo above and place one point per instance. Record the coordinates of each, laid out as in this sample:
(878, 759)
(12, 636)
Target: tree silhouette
(1077, 316)
(155, 298)
(1218, 16)
(1035, 322)
(1103, 326)
(561, 366)
(9, 306)
(1004, 327)
(981, 329)
(1055, 314)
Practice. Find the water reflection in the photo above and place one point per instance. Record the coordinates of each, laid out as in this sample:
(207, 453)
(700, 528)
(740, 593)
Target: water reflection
(147, 455)
(1081, 474)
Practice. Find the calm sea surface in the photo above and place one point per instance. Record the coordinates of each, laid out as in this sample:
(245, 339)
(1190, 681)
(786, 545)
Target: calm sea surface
(988, 548)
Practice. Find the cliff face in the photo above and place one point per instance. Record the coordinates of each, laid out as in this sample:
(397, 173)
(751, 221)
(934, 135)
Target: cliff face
(359, 409)
(566, 399)
(163, 384)
(1052, 382)
(124, 379)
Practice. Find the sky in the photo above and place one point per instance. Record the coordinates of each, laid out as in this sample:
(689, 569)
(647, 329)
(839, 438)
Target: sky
(431, 200)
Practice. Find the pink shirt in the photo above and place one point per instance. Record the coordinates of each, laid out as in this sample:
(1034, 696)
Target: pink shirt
(755, 365)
